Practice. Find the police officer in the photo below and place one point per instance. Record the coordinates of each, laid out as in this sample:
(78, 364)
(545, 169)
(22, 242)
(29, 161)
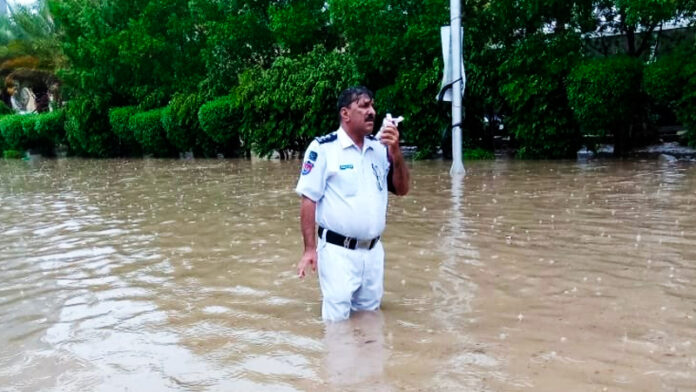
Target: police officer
(343, 184)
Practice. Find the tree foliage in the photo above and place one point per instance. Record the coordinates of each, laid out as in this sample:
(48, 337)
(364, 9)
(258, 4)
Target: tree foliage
(294, 100)
(671, 81)
(263, 75)
(607, 98)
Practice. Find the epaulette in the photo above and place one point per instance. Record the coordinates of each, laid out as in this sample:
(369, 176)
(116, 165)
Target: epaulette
(327, 138)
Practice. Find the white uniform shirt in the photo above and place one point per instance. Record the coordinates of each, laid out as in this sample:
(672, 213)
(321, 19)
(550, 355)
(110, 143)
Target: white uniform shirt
(348, 185)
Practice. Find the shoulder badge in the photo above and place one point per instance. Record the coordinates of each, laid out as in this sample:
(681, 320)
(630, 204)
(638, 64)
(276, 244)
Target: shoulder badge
(307, 168)
(327, 138)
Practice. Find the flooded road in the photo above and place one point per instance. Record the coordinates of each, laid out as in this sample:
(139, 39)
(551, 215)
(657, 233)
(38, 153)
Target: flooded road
(161, 275)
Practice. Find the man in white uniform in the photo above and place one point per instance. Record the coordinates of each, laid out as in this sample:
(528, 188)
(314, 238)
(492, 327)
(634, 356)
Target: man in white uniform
(344, 182)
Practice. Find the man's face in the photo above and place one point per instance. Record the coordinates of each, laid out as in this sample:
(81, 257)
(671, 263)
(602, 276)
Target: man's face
(360, 115)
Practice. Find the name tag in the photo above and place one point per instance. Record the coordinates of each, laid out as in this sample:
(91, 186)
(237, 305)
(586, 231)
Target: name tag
(348, 166)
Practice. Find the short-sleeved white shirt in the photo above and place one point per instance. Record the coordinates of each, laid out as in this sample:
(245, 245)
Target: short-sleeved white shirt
(349, 185)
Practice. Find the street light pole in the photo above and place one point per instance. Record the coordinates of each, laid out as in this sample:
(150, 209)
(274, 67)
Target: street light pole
(456, 40)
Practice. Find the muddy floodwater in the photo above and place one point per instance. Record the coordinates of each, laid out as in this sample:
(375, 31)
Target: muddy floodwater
(179, 275)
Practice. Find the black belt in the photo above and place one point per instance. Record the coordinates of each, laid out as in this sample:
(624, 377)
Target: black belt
(347, 242)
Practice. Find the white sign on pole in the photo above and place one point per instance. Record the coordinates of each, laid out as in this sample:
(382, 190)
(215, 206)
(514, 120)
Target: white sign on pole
(445, 93)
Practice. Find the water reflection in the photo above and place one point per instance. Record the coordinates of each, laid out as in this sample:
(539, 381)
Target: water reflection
(356, 352)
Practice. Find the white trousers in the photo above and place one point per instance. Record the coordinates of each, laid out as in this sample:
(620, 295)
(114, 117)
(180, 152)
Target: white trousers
(349, 279)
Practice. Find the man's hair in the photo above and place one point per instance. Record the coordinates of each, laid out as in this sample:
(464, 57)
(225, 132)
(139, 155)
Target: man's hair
(10, 82)
(351, 95)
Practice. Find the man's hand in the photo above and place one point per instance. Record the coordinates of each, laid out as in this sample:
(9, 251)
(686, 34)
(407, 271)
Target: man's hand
(309, 258)
(400, 177)
(390, 138)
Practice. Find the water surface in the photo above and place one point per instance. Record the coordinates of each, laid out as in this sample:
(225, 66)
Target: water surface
(167, 275)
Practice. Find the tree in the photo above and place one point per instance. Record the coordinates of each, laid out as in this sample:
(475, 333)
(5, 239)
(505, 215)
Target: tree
(640, 22)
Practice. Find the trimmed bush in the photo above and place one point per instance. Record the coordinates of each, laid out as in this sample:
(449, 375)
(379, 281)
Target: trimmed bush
(149, 133)
(3, 143)
(87, 127)
(29, 127)
(51, 126)
(119, 119)
(478, 154)
(607, 98)
(12, 154)
(180, 120)
(220, 120)
(13, 132)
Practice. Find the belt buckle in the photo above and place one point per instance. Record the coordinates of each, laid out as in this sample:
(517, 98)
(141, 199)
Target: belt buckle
(346, 243)
(363, 244)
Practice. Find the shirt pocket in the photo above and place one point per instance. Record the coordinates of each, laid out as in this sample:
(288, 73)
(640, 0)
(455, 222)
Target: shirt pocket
(348, 179)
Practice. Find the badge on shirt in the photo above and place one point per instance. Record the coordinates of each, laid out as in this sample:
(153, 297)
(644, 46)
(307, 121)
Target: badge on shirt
(313, 156)
(347, 166)
(307, 167)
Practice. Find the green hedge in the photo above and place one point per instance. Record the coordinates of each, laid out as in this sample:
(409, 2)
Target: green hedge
(3, 143)
(149, 133)
(180, 121)
(13, 132)
(12, 154)
(87, 127)
(50, 126)
(39, 132)
(183, 128)
(221, 120)
(478, 154)
(119, 119)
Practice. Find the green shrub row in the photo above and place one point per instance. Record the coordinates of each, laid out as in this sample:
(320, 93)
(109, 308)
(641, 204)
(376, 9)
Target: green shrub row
(186, 124)
(39, 132)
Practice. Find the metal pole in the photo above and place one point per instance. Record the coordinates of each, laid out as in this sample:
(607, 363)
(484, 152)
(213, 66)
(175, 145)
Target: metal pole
(455, 31)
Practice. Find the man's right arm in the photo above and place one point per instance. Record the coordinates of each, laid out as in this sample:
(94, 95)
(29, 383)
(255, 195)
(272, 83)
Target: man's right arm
(307, 219)
(310, 187)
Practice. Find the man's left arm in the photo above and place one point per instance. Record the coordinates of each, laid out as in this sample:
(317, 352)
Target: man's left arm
(399, 176)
